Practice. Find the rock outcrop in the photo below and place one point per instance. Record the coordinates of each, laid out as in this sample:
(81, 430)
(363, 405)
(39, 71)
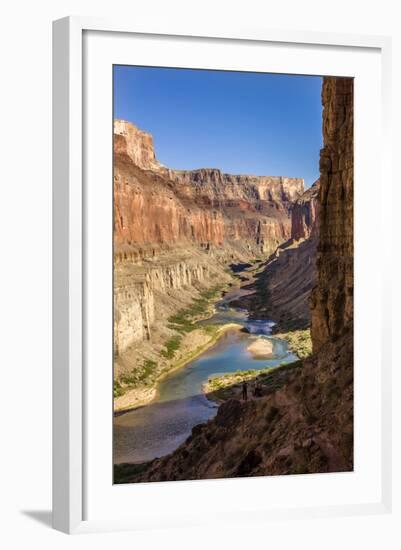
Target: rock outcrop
(151, 290)
(332, 299)
(283, 287)
(220, 188)
(304, 214)
(303, 427)
(136, 144)
(306, 425)
(156, 205)
(147, 212)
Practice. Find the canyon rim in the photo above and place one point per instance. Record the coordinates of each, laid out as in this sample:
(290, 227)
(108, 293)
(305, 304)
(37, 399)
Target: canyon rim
(233, 292)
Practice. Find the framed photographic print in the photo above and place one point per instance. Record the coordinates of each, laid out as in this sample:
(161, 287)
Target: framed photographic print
(220, 320)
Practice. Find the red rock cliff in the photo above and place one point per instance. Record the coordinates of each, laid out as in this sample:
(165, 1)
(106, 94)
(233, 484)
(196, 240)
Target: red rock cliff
(156, 205)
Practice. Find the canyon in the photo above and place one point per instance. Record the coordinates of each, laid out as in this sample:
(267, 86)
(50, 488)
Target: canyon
(176, 234)
(284, 284)
(303, 422)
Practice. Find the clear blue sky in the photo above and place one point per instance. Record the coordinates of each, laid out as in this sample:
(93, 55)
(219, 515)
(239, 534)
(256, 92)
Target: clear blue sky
(242, 123)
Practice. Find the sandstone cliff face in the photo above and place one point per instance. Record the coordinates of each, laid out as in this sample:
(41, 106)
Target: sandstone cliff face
(156, 205)
(304, 213)
(220, 187)
(148, 212)
(307, 424)
(283, 287)
(134, 312)
(136, 144)
(141, 287)
(332, 299)
(170, 225)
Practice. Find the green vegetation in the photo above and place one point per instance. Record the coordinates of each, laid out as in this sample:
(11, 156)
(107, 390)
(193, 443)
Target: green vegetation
(118, 389)
(219, 382)
(134, 378)
(148, 368)
(210, 329)
(184, 320)
(228, 386)
(172, 346)
(299, 341)
(233, 275)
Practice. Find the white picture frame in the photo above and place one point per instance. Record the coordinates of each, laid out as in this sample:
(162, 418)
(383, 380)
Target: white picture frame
(70, 258)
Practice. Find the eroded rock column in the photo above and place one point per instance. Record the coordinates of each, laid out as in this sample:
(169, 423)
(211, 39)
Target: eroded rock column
(332, 298)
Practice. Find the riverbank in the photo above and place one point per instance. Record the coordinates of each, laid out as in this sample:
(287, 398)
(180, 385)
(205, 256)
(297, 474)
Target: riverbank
(230, 410)
(229, 386)
(299, 341)
(192, 345)
(189, 340)
(177, 403)
(143, 366)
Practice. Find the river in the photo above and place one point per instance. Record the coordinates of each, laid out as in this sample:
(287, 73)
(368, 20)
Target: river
(159, 428)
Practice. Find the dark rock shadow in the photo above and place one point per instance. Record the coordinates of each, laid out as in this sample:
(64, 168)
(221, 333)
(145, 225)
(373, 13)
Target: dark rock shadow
(237, 268)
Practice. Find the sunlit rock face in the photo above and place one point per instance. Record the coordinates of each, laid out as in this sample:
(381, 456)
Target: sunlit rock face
(156, 205)
(148, 211)
(178, 229)
(304, 215)
(217, 186)
(136, 144)
(142, 290)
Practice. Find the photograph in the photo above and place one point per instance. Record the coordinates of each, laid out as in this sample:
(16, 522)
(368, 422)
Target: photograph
(200, 313)
(233, 254)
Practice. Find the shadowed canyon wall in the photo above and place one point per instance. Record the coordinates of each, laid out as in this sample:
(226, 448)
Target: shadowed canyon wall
(304, 421)
(283, 287)
(332, 299)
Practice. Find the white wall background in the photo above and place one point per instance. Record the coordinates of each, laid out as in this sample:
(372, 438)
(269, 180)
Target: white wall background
(25, 217)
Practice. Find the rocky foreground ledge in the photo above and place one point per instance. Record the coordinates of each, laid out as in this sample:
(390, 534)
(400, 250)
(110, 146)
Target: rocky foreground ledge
(296, 427)
(229, 386)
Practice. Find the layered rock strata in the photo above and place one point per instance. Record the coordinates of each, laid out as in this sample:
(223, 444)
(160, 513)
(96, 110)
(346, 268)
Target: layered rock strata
(177, 230)
(332, 299)
(156, 205)
(153, 289)
(306, 425)
(284, 284)
(304, 215)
